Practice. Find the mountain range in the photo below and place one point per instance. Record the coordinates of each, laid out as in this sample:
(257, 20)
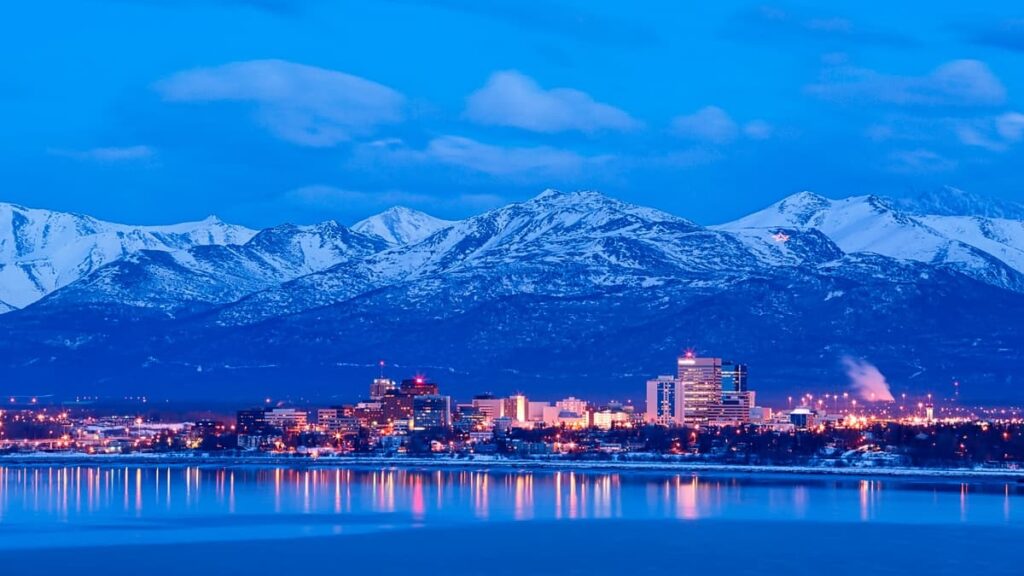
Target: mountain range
(566, 293)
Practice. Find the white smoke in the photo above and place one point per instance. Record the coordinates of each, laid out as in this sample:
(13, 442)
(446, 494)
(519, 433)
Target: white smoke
(867, 381)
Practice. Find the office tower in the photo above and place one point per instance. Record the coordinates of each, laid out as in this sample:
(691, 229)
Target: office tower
(517, 408)
(381, 386)
(327, 419)
(734, 376)
(736, 407)
(431, 411)
(665, 403)
(287, 420)
(251, 422)
(701, 382)
(395, 406)
(573, 404)
(492, 408)
(418, 386)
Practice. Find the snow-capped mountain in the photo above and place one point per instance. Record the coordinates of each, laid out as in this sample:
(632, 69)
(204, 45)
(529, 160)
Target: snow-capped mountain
(400, 225)
(557, 244)
(218, 274)
(572, 293)
(990, 250)
(42, 251)
(950, 201)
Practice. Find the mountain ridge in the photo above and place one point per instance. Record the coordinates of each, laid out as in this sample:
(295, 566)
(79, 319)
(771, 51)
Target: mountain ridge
(573, 292)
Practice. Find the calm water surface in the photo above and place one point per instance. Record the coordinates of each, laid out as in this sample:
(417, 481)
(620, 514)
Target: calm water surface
(80, 506)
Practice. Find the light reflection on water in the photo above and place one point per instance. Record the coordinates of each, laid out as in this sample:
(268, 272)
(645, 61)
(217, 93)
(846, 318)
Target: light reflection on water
(85, 505)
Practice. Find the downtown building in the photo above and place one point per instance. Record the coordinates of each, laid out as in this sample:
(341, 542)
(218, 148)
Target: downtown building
(700, 380)
(704, 391)
(665, 401)
(431, 411)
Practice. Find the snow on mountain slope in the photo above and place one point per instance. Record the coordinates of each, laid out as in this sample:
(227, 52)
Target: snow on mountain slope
(400, 225)
(1002, 238)
(42, 251)
(950, 201)
(985, 249)
(558, 244)
(207, 275)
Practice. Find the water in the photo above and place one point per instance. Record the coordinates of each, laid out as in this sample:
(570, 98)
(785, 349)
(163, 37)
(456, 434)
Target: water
(66, 514)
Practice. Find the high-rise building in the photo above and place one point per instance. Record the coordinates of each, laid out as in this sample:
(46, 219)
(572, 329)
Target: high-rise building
(517, 408)
(380, 386)
(395, 406)
(431, 411)
(665, 402)
(327, 419)
(418, 386)
(734, 376)
(368, 414)
(492, 408)
(736, 408)
(574, 405)
(287, 420)
(251, 422)
(701, 381)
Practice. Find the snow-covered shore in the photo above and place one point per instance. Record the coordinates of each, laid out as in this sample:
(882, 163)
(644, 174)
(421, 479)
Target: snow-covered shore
(494, 463)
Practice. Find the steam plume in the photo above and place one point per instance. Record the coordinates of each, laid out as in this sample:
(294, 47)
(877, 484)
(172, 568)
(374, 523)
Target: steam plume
(866, 380)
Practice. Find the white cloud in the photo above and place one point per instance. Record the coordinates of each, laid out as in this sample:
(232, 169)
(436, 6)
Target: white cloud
(301, 104)
(344, 199)
(108, 154)
(513, 99)
(709, 124)
(1010, 126)
(919, 161)
(506, 161)
(955, 83)
(758, 130)
(977, 133)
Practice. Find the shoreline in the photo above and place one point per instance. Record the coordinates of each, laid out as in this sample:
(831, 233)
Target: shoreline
(51, 459)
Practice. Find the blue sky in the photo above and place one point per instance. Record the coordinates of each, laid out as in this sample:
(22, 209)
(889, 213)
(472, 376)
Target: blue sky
(262, 111)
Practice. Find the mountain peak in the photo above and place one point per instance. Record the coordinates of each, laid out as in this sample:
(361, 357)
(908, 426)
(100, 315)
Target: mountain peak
(802, 204)
(400, 225)
(950, 201)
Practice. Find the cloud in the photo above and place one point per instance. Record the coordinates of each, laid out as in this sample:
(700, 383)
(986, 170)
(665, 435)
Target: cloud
(709, 124)
(506, 161)
(325, 196)
(919, 161)
(758, 130)
(1006, 34)
(1010, 126)
(301, 104)
(328, 197)
(956, 83)
(994, 133)
(713, 125)
(532, 163)
(108, 154)
(510, 98)
(762, 21)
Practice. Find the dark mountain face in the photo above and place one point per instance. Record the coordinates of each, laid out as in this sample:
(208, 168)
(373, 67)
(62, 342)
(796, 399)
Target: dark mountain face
(565, 294)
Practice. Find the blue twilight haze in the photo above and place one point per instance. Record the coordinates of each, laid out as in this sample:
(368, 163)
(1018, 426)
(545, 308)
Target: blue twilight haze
(260, 111)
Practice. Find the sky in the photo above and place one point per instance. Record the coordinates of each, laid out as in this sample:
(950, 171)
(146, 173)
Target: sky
(266, 111)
